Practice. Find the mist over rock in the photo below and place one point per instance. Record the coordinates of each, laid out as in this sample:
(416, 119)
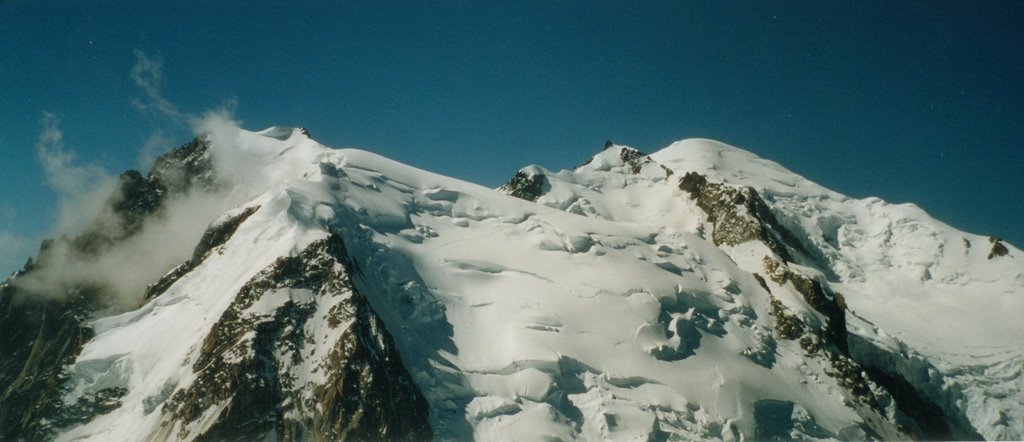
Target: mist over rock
(259, 285)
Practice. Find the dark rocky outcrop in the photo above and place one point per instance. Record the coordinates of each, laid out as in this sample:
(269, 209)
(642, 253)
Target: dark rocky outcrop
(38, 336)
(828, 341)
(368, 395)
(633, 159)
(739, 214)
(185, 168)
(762, 282)
(998, 248)
(787, 324)
(636, 160)
(139, 197)
(828, 303)
(524, 185)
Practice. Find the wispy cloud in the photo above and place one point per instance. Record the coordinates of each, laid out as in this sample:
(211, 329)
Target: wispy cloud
(147, 73)
(81, 188)
(124, 269)
(128, 266)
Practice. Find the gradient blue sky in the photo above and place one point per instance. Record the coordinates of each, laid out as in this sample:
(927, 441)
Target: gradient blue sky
(908, 101)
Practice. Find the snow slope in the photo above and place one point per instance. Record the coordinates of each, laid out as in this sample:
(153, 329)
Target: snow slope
(945, 293)
(605, 309)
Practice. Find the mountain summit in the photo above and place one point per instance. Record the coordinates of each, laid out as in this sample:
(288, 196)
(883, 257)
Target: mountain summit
(258, 285)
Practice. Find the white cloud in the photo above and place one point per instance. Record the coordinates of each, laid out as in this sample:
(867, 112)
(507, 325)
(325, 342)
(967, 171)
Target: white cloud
(125, 269)
(166, 239)
(81, 188)
(147, 73)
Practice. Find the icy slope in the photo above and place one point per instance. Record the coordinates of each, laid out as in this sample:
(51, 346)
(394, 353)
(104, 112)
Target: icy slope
(699, 293)
(877, 249)
(952, 297)
(945, 296)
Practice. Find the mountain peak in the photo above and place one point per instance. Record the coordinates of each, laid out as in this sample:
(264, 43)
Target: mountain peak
(699, 292)
(730, 164)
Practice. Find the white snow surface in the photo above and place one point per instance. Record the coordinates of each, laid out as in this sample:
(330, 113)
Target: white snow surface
(526, 321)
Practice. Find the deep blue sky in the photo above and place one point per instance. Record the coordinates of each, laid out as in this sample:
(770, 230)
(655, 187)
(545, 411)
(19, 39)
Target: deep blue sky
(909, 101)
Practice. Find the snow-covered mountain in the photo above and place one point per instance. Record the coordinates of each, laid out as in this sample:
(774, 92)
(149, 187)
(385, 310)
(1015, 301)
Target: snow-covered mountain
(699, 292)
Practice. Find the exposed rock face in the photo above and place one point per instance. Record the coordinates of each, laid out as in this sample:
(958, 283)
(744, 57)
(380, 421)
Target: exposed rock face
(998, 249)
(37, 338)
(827, 342)
(739, 215)
(185, 168)
(826, 302)
(527, 185)
(272, 377)
(787, 324)
(634, 158)
(138, 197)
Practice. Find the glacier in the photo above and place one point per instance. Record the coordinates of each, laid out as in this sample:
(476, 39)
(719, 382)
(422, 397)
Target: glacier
(699, 292)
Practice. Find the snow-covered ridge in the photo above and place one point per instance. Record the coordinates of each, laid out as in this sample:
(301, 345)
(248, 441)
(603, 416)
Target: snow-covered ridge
(895, 264)
(602, 302)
